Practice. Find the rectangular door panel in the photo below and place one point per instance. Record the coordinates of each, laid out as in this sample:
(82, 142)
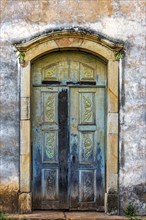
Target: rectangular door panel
(87, 140)
(50, 107)
(87, 107)
(86, 147)
(50, 184)
(50, 146)
(86, 184)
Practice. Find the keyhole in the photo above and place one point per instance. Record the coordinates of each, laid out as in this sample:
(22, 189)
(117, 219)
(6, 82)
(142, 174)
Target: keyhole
(73, 159)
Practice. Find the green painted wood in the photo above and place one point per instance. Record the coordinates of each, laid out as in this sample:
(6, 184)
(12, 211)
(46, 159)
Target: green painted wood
(68, 131)
(68, 68)
(87, 140)
(50, 148)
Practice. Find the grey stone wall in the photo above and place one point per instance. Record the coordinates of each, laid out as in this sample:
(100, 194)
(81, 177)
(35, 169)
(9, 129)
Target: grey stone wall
(123, 20)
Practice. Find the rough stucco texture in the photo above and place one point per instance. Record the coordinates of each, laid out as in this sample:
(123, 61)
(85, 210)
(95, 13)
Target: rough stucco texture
(123, 20)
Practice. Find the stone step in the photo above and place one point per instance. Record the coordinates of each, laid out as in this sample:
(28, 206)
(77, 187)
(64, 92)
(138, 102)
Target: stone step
(58, 215)
(91, 216)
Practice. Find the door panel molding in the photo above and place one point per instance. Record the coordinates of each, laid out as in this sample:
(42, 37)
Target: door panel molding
(73, 41)
(85, 128)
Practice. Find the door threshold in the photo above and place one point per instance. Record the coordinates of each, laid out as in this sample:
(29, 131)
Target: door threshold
(67, 215)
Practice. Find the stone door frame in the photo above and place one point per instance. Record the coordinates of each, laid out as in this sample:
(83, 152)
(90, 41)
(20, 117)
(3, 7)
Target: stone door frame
(70, 40)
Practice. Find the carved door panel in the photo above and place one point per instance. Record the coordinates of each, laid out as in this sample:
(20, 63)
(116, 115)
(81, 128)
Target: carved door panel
(87, 148)
(50, 148)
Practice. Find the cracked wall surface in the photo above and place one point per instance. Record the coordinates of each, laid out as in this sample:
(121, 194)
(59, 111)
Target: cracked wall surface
(123, 20)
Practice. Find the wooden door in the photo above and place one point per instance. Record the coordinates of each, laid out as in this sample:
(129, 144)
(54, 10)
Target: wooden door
(87, 140)
(68, 131)
(50, 148)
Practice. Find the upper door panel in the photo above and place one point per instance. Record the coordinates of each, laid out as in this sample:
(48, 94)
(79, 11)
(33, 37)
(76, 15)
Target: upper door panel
(69, 67)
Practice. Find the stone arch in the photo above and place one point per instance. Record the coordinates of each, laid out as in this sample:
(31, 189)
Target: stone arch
(70, 40)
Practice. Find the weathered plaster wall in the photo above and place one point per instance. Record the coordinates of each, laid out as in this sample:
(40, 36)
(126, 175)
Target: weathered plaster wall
(123, 20)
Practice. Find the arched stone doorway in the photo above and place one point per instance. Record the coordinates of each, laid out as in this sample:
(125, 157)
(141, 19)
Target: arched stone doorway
(90, 44)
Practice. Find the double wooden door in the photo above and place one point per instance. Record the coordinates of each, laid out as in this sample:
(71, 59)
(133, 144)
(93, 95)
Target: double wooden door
(68, 148)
